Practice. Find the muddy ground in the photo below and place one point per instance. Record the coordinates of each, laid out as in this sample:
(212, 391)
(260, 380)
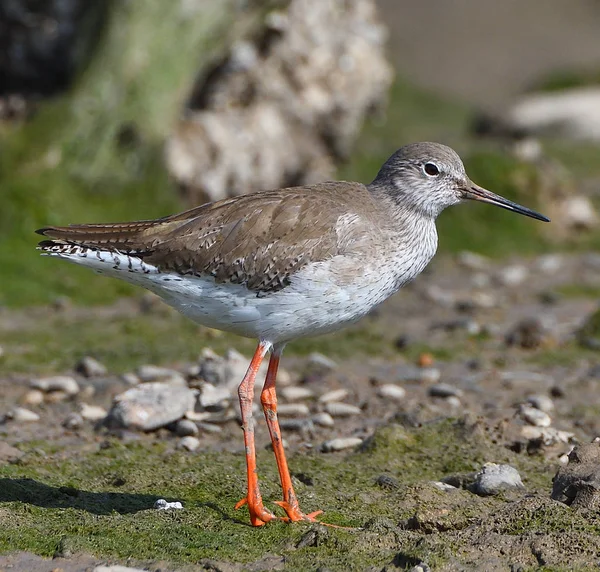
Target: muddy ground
(470, 342)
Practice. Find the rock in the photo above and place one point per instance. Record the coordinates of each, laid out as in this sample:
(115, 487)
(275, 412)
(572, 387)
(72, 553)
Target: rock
(162, 504)
(534, 416)
(340, 444)
(189, 443)
(117, 568)
(293, 410)
(484, 300)
(391, 391)
(578, 213)
(444, 390)
(321, 362)
(90, 367)
(439, 296)
(8, 453)
(578, 483)
(209, 428)
(63, 383)
(33, 397)
(150, 373)
(472, 260)
(73, 422)
(323, 419)
(302, 425)
(549, 263)
(453, 402)
(214, 396)
(444, 487)
(337, 409)
(493, 478)
(529, 333)
(334, 395)
(130, 378)
(541, 402)
(22, 415)
(429, 375)
(56, 397)
(513, 275)
(151, 405)
(92, 412)
(296, 393)
(321, 71)
(546, 436)
(185, 427)
(387, 482)
(229, 370)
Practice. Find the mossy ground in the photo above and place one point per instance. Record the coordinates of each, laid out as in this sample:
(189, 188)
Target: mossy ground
(101, 502)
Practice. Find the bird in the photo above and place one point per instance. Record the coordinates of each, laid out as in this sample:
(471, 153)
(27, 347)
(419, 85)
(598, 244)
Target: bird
(283, 264)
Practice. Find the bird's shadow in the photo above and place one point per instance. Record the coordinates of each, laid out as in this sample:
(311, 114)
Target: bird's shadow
(32, 492)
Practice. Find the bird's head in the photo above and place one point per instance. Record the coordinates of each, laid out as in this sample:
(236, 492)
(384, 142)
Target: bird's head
(429, 177)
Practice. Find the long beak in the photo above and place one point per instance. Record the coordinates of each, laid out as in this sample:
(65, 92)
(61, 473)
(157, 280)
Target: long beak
(476, 193)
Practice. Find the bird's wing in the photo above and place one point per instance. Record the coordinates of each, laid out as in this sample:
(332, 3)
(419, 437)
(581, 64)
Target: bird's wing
(258, 240)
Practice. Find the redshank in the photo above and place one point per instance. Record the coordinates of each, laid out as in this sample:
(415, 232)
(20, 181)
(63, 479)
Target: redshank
(283, 264)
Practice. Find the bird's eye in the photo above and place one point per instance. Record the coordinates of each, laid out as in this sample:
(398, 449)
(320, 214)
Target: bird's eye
(431, 169)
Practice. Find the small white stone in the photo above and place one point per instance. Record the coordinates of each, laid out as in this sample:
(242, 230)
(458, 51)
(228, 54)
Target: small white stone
(549, 263)
(334, 395)
(209, 428)
(429, 375)
(73, 422)
(92, 412)
(548, 435)
(323, 419)
(149, 373)
(296, 393)
(337, 409)
(340, 444)
(189, 443)
(90, 367)
(484, 300)
(472, 260)
(453, 402)
(541, 402)
(198, 415)
(321, 361)
(391, 391)
(212, 396)
(33, 397)
(443, 486)
(293, 410)
(22, 415)
(534, 416)
(185, 427)
(513, 275)
(162, 504)
(493, 478)
(130, 378)
(62, 383)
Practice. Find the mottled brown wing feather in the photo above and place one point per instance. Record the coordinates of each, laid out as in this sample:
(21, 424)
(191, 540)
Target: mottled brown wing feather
(258, 240)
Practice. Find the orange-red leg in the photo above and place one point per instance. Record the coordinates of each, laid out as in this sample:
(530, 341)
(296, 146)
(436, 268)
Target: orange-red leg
(268, 398)
(259, 515)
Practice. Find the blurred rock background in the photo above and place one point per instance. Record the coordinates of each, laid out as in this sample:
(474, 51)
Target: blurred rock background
(131, 110)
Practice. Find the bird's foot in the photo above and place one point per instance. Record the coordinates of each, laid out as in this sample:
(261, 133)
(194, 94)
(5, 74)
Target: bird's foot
(294, 514)
(259, 515)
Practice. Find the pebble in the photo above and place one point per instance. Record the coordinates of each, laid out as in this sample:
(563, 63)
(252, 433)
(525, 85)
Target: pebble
(541, 402)
(534, 416)
(321, 361)
(189, 443)
(296, 393)
(444, 390)
(130, 378)
(149, 406)
(209, 427)
(33, 397)
(73, 421)
(445, 487)
(340, 444)
(214, 396)
(453, 402)
(56, 396)
(547, 435)
(90, 367)
(484, 300)
(391, 391)
(162, 504)
(148, 373)
(429, 375)
(439, 296)
(472, 260)
(323, 419)
(62, 383)
(528, 333)
(117, 568)
(293, 410)
(198, 415)
(549, 263)
(296, 424)
(493, 478)
(92, 412)
(8, 453)
(338, 409)
(185, 427)
(513, 275)
(22, 415)
(334, 395)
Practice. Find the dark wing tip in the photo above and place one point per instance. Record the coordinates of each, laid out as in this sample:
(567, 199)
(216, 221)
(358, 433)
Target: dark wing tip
(44, 230)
